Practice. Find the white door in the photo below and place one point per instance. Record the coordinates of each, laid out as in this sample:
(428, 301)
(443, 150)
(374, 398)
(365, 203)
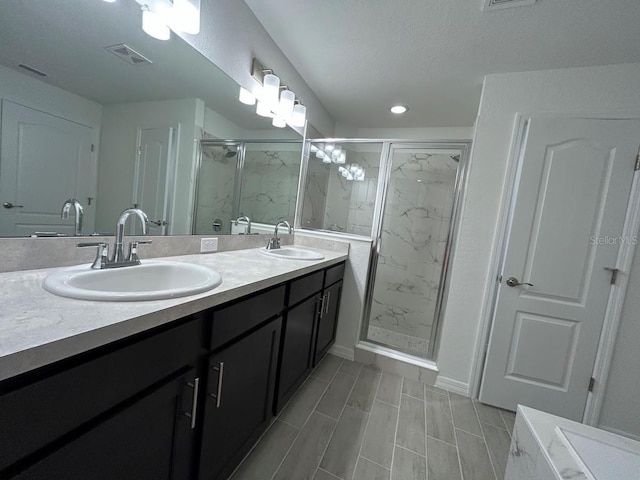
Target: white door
(571, 198)
(151, 183)
(44, 160)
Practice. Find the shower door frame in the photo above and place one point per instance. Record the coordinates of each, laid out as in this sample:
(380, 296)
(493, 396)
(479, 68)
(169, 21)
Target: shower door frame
(386, 160)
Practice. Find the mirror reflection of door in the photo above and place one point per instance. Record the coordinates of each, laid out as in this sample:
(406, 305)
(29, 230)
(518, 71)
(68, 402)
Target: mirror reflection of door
(152, 179)
(45, 160)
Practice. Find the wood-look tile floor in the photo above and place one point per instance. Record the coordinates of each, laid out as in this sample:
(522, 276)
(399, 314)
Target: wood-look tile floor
(349, 421)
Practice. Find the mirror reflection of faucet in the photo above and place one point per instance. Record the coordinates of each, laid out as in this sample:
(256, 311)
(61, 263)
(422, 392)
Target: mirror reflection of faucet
(79, 214)
(241, 229)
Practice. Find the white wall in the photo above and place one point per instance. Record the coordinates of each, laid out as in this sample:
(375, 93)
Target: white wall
(610, 90)
(117, 156)
(231, 36)
(428, 134)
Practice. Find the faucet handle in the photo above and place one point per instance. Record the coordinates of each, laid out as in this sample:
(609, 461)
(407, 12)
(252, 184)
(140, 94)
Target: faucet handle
(133, 249)
(102, 253)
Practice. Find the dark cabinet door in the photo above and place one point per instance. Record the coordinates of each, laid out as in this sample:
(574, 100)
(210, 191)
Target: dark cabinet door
(150, 438)
(328, 320)
(239, 400)
(297, 348)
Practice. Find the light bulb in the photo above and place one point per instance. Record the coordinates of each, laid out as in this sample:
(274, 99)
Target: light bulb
(345, 173)
(330, 147)
(246, 97)
(299, 116)
(285, 108)
(263, 109)
(337, 150)
(326, 159)
(399, 109)
(257, 91)
(279, 122)
(185, 16)
(270, 90)
(313, 148)
(154, 26)
(342, 159)
(320, 154)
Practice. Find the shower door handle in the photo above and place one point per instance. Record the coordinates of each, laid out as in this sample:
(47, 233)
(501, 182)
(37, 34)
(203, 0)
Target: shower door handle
(9, 205)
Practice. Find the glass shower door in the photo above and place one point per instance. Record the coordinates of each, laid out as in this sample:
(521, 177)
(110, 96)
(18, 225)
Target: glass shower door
(412, 250)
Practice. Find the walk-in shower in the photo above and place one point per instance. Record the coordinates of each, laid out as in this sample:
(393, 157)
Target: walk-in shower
(406, 201)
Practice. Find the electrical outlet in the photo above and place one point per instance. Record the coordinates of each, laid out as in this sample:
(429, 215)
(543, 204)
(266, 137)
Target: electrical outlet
(208, 245)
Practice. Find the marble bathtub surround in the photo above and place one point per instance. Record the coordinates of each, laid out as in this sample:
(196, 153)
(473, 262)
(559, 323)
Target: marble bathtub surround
(38, 328)
(415, 228)
(31, 253)
(538, 450)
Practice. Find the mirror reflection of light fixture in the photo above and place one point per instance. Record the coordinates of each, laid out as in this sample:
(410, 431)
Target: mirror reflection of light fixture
(274, 100)
(332, 153)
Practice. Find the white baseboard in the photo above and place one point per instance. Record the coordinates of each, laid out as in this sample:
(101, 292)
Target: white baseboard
(342, 352)
(452, 385)
(620, 432)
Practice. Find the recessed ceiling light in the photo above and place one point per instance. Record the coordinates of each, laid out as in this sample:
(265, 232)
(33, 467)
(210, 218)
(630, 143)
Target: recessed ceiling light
(399, 109)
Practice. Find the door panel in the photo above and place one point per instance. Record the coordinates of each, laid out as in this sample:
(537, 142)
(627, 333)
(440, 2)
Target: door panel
(574, 180)
(44, 160)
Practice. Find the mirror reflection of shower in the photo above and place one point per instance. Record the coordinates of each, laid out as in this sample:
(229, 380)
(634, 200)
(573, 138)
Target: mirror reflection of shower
(239, 178)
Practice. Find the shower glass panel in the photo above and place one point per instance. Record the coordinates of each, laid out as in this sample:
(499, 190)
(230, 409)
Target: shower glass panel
(339, 203)
(409, 273)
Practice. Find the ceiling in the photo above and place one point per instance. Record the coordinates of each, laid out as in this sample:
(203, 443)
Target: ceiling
(361, 57)
(66, 38)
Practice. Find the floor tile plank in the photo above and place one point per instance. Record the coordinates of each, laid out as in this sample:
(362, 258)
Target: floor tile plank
(489, 414)
(342, 453)
(464, 414)
(367, 470)
(379, 438)
(442, 461)
(439, 422)
(303, 402)
(364, 391)
(390, 389)
(413, 388)
(411, 425)
(474, 457)
(327, 368)
(498, 442)
(408, 465)
(333, 401)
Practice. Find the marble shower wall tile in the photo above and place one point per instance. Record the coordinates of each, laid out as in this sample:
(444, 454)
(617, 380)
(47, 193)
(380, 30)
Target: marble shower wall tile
(315, 195)
(414, 233)
(269, 185)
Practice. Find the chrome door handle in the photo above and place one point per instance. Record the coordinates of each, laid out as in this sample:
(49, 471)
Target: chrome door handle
(11, 205)
(514, 282)
(218, 394)
(194, 402)
(322, 300)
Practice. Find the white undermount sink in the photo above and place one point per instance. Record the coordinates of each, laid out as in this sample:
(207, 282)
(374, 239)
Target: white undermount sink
(293, 253)
(151, 280)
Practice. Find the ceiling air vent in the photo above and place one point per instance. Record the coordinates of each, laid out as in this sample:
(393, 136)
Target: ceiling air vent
(32, 70)
(127, 54)
(498, 4)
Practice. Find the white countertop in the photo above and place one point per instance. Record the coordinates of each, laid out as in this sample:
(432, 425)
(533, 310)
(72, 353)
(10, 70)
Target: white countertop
(38, 327)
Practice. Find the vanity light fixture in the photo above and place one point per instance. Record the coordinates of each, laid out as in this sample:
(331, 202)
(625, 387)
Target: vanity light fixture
(159, 17)
(153, 25)
(399, 109)
(273, 100)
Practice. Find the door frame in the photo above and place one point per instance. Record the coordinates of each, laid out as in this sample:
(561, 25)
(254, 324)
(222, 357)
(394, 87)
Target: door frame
(617, 293)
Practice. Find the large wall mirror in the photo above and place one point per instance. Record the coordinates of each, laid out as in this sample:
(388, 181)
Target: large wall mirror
(94, 109)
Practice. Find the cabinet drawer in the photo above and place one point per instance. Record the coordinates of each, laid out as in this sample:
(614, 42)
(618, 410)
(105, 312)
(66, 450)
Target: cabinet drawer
(305, 287)
(333, 275)
(233, 321)
(40, 412)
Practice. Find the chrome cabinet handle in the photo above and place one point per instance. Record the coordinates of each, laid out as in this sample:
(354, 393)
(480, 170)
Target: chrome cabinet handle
(514, 282)
(322, 300)
(194, 403)
(11, 205)
(326, 309)
(218, 394)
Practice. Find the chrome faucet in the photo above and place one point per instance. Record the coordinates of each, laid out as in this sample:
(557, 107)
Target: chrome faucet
(246, 219)
(118, 251)
(274, 242)
(118, 258)
(66, 207)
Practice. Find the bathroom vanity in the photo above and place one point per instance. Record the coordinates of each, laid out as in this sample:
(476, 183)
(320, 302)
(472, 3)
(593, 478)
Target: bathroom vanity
(173, 389)
(547, 447)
